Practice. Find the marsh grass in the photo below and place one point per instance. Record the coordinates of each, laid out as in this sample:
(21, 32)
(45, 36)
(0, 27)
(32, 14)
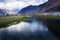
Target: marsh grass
(5, 20)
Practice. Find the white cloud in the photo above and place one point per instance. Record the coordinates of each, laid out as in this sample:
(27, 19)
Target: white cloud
(2, 5)
(34, 2)
(13, 4)
(16, 4)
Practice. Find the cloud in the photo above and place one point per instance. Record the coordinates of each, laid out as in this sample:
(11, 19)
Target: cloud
(13, 4)
(2, 0)
(34, 2)
(2, 5)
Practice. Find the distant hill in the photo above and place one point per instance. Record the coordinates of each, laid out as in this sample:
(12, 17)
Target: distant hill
(7, 11)
(50, 6)
(10, 11)
(2, 11)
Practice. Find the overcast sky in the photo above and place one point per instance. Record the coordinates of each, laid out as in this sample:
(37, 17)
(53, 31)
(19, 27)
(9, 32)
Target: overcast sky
(19, 4)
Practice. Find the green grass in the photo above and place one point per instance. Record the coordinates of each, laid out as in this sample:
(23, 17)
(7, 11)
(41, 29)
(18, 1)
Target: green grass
(43, 16)
(5, 20)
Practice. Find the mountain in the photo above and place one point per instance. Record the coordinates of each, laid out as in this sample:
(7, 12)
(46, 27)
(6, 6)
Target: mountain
(10, 11)
(31, 9)
(2, 11)
(49, 6)
(7, 11)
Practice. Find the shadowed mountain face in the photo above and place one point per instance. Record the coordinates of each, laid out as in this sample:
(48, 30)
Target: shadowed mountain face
(50, 6)
(31, 9)
(54, 9)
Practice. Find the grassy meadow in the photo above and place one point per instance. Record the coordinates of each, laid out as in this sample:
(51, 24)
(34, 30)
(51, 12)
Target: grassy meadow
(6, 20)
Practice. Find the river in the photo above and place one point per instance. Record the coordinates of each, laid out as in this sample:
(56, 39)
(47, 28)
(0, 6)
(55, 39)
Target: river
(31, 29)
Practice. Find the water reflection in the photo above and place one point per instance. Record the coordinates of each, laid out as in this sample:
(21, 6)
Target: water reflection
(28, 30)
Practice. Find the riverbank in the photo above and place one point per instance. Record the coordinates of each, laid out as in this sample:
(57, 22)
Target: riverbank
(11, 20)
(8, 20)
(43, 16)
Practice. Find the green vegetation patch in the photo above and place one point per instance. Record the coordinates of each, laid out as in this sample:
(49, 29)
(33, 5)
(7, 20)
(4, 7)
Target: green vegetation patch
(5, 20)
(43, 16)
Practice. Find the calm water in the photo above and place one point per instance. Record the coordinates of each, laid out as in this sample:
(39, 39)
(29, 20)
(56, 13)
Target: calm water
(31, 29)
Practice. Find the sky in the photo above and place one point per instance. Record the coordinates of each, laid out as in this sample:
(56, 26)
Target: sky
(19, 4)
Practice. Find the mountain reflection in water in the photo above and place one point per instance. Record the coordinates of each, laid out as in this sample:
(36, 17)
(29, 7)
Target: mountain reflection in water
(31, 29)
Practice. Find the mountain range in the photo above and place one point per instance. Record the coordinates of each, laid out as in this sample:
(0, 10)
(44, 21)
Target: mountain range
(6, 11)
(49, 6)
